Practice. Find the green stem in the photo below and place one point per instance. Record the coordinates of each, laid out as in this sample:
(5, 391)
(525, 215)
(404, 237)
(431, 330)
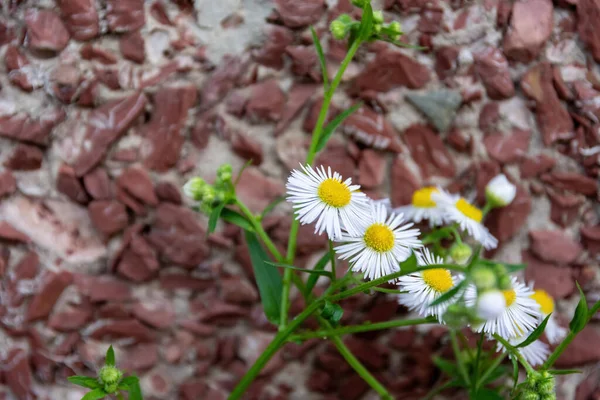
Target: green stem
(477, 357)
(332, 255)
(491, 369)
(344, 330)
(360, 369)
(559, 350)
(486, 209)
(461, 366)
(260, 231)
(279, 340)
(456, 235)
(515, 353)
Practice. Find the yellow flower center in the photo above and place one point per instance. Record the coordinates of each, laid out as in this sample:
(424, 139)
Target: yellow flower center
(379, 237)
(469, 210)
(334, 193)
(422, 197)
(509, 296)
(438, 279)
(545, 301)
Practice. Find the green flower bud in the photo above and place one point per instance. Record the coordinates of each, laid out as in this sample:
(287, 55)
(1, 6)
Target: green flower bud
(504, 283)
(338, 29)
(457, 316)
(112, 388)
(461, 253)
(529, 395)
(225, 176)
(546, 385)
(194, 188)
(396, 28)
(360, 3)
(378, 17)
(225, 168)
(484, 278)
(110, 375)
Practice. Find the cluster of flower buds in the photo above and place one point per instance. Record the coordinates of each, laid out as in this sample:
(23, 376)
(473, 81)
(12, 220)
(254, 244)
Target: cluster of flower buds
(345, 25)
(210, 196)
(110, 377)
(538, 386)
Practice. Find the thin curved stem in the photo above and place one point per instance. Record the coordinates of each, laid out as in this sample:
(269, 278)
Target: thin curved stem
(491, 369)
(559, 350)
(260, 231)
(515, 353)
(459, 363)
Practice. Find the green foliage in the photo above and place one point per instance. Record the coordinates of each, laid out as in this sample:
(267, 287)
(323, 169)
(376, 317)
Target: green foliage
(84, 381)
(533, 336)
(580, 318)
(234, 217)
(328, 130)
(449, 294)
(308, 271)
(319, 266)
(321, 56)
(332, 312)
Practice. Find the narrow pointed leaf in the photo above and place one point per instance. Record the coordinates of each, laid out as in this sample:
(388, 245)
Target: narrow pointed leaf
(580, 317)
(321, 56)
(410, 264)
(234, 217)
(214, 217)
(449, 294)
(84, 381)
(564, 371)
(533, 336)
(135, 392)
(237, 178)
(330, 128)
(594, 309)
(319, 266)
(95, 395)
(515, 374)
(497, 373)
(128, 381)
(308, 271)
(268, 278)
(388, 291)
(110, 356)
(271, 206)
(447, 367)
(366, 23)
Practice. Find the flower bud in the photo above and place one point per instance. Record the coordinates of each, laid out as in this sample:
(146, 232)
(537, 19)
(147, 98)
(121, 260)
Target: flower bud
(500, 192)
(194, 188)
(396, 28)
(378, 17)
(490, 304)
(338, 29)
(457, 316)
(110, 375)
(360, 3)
(461, 253)
(484, 278)
(504, 282)
(546, 384)
(529, 394)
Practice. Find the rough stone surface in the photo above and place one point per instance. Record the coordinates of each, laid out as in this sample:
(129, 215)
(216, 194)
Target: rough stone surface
(108, 216)
(557, 280)
(588, 11)
(81, 18)
(45, 31)
(429, 152)
(530, 27)
(492, 68)
(554, 246)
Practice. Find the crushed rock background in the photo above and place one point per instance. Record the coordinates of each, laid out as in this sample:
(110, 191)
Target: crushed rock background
(107, 107)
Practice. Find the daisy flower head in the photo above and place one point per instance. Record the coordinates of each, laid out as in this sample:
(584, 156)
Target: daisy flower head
(554, 332)
(500, 192)
(424, 287)
(423, 207)
(535, 353)
(322, 196)
(382, 244)
(457, 209)
(520, 314)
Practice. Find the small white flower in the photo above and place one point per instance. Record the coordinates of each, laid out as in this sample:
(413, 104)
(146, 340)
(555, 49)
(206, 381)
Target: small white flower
(382, 244)
(194, 188)
(535, 353)
(521, 313)
(423, 207)
(424, 287)
(322, 196)
(500, 192)
(468, 217)
(554, 332)
(490, 305)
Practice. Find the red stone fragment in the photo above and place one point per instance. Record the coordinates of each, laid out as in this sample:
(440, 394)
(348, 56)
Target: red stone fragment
(247, 148)
(222, 80)
(46, 31)
(52, 287)
(304, 61)
(160, 315)
(137, 183)
(94, 53)
(429, 152)
(572, 181)
(271, 53)
(534, 166)
(17, 373)
(299, 14)
(158, 11)
(590, 236)
(25, 158)
(266, 102)
(446, 61)
(163, 133)
(98, 184)
(588, 13)
(256, 190)
(108, 216)
(297, 99)
(103, 288)
(530, 27)
(72, 319)
(169, 192)
(139, 261)
(557, 280)
(580, 351)
(125, 15)
(123, 329)
(371, 169)
(238, 291)
(390, 69)
(564, 208)
(492, 68)
(403, 183)
(105, 125)
(508, 148)
(14, 60)
(367, 127)
(68, 184)
(8, 232)
(132, 47)
(554, 246)
(81, 18)
(8, 184)
(140, 357)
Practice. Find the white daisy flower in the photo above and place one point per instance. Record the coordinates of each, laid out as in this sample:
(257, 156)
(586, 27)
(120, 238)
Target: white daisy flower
(382, 244)
(500, 192)
(468, 217)
(423, 207)
(554, 332)
(521, 313)
(322, 196)
(490, 305)
(424, 287)
(535, 353)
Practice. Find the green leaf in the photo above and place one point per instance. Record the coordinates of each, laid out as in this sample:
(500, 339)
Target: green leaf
(388, 291)
(328, 130)
(110, 356)
(448, 367)
(497, 373)
(437, 235)
(533, 336)
(319, 266)
(580, 318)
(594, 309)
(309, 271)
(95, 395)
(366, 24)
(321, 56)
(515, 374)
(271, 206)
(135, 392)
(234, 217)
(128, 381)
(332, 312)
(237, 178)
(487, 394)
(510, 268)
(268, 279)
(564, 371)
(410, 264)
(214, 217)
(449, 294)
(84, 381)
